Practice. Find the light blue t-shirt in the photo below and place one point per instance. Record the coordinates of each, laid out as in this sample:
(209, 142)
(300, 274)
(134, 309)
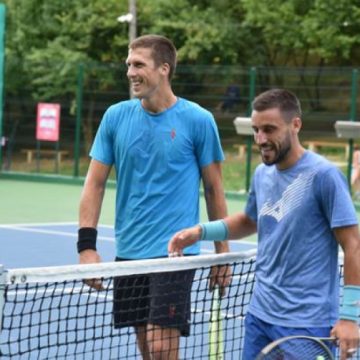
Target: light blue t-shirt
(158, 159)
(297, 280)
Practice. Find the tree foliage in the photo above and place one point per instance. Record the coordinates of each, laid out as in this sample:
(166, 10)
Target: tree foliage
(47, 39)
(305, 32)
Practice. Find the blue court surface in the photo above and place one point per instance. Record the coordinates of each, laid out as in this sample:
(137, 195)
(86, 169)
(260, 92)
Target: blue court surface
(53, 244)
(86, 332)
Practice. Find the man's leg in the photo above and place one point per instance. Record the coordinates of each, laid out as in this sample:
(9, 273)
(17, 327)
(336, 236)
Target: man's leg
(141, 339)
(256, 337)
(170, 312)
(163, 343)
(131, 307)
(259, 333)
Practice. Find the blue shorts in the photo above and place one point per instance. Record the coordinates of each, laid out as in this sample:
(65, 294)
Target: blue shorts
(259, 333)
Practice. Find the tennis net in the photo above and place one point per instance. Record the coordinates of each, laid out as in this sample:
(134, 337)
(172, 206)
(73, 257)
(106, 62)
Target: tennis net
(50, 313)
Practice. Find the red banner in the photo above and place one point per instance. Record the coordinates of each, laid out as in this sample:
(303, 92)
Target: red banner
(48, 122)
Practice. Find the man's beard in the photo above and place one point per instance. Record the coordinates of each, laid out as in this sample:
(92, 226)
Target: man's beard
(280, 153)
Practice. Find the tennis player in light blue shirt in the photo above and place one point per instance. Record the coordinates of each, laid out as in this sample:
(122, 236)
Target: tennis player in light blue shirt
(300, 206)
(161, 146)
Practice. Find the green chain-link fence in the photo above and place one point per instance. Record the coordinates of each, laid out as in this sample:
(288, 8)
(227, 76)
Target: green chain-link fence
(327, 95)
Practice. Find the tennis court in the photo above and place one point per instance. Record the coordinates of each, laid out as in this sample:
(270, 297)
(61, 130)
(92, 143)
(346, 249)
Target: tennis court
(38, 224)
(56, 316)
(65, 321)
(39, 229)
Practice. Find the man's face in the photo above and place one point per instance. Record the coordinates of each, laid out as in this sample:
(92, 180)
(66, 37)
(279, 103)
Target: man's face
(273, 135)
(145, 78)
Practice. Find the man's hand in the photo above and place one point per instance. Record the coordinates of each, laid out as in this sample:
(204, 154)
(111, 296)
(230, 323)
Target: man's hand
(348, 337)
(183, 239)
(90, 257)
(220, 276)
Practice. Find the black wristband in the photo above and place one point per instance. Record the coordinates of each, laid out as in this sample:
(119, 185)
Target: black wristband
(86, 239)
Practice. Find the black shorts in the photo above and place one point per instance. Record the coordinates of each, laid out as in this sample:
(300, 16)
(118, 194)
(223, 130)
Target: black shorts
(162, 299)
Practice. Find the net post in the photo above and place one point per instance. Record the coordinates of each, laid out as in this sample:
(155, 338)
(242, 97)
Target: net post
(2, 292)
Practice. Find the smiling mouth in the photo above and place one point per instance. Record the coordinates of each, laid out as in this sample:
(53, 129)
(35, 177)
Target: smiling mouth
(266, 149)
(135, 84)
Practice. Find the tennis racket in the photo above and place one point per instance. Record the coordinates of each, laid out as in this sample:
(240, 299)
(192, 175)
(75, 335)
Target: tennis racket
(298, 348)
(216, 339)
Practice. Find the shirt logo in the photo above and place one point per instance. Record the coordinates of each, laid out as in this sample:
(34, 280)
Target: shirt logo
(172, 310)
(290, 199)
(173, 134)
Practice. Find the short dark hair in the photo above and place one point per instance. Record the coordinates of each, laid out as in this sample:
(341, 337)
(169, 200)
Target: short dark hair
(163, 50)
(284, 100)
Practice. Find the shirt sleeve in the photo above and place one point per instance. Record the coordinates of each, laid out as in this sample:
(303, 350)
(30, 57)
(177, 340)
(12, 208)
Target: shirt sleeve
(207, 141)
(102, 148)
(335, 198)
(251, 204)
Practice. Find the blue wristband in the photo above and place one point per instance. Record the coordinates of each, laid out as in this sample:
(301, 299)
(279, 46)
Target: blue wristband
(214, 230)
(350, 308)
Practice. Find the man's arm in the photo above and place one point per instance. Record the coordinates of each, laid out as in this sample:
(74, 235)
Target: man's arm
(238, 226)
(215, 198)
(216, 209)
(91, 202)
(347, 331)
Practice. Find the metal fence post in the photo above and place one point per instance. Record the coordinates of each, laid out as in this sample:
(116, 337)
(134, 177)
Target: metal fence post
(2, 57)
(79, 104)
(354, 91)
(249, 139)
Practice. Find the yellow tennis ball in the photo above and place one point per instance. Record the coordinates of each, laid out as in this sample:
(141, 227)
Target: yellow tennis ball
(320, 357)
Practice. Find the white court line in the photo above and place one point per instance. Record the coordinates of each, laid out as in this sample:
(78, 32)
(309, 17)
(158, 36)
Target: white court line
(50, 232)
(28, 227)
(51, 224)
(233, 243)
(38, 224)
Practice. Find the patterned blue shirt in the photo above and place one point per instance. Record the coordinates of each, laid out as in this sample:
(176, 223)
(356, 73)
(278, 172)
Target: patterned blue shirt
(297, 280)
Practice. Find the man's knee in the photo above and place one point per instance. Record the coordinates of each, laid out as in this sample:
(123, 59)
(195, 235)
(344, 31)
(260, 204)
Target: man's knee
(163, 343)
